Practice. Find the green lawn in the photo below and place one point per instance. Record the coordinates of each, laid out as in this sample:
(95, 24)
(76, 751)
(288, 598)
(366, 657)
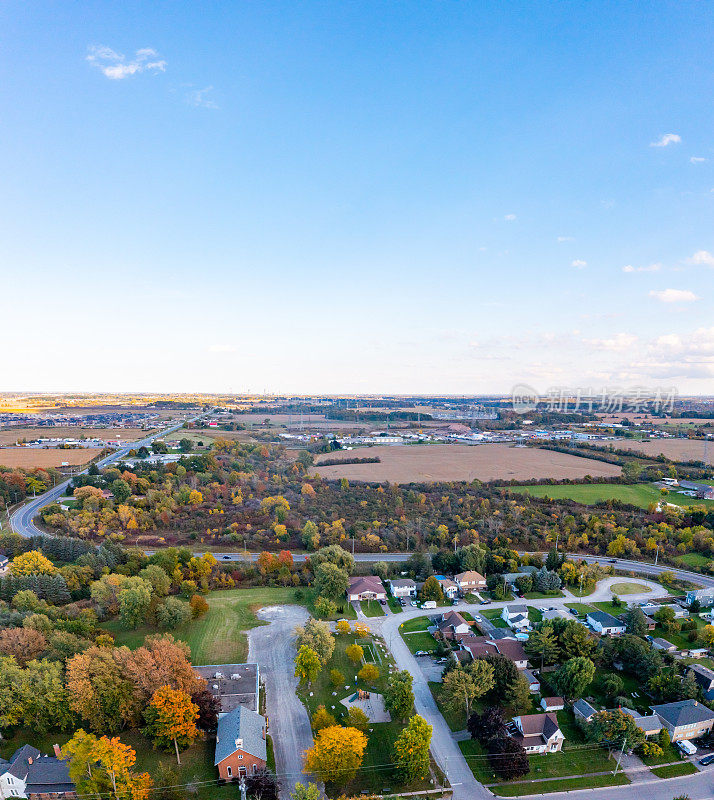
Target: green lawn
(675, 770)
(372, 608)
(695, 560)
(535, 615)
(421, 640)
(456, 720)
(640, 494)
(542, 595)
(217, 637)
(493, 615)
(567, 785)
(582, 608)
(629, 588)
(611, 608)
(415, 624)
(394, 604)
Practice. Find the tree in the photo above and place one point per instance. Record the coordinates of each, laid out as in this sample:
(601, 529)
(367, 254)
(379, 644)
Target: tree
(307, 665)
(612, 686)
(431, 590)
(185, 445)
(519, 695)
(325, 608)
(411, 750)
(635, 621)
(134, 602)
(369, 673)
(161, 661)
(573, 639)
(22, 643)
(171, 717)
(362, 630)
(199, 605)
(195, 498)
(310, 534)
(262, 785)
(309, 792)
(322, 719)
(335, 555)
(574, 676)
(209, 707)
(355, 653)
(317, 636)
(542, 645)
(121, 490)
(11, 696)
(546, 581)
(488, 726)
(172, 613)
(524, 583)
(33, 562)
(666, 618)
(331, 581)
(398, 696)
(706, 635)
(613, 728)
(336, 754)
(98, 765)
(689, 688)
(356, 718)
(508, 759)
(336, 677)
(462, 686)
(343, 626)
(504, 677)
(157, 578)
(45, 700)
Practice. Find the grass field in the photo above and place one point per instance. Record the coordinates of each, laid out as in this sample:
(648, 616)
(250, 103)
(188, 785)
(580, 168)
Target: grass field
(415, 634)
(675, 449)
(9, 436)
(217, 637)
(695, 560)
(30, 457)
(567, 785)
(629, 588)
(447, 462)
(675, 770)
(372, 608)
(640, 494)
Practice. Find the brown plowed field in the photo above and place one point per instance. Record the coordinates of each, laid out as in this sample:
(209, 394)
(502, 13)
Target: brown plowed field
(30, 457)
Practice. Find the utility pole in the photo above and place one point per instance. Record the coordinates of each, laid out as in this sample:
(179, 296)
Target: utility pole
(656, 555)
(622, 752)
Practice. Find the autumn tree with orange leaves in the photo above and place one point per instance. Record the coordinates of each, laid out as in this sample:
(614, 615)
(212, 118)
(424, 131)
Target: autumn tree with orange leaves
(171, 717)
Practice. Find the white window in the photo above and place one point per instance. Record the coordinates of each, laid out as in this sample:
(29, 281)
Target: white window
(229, 771)
(240, 755)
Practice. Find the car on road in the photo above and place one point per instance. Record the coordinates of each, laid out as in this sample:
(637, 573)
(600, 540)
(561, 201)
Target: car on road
(226, 558)
(612, 561)
(413, 603)
(478, 619)
(485, 602)
(573, 611)
(421, 653)
(707, 760)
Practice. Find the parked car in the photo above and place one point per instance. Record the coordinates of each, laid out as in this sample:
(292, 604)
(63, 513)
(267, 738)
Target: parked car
(382, 602)
(573, 611)
(686, 747)
(421, 653)
(707, 760)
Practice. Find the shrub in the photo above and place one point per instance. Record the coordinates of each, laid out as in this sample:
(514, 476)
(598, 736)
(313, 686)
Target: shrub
(199, 605)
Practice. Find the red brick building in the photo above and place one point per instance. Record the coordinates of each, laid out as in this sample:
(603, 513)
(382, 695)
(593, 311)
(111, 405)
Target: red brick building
(240, 744)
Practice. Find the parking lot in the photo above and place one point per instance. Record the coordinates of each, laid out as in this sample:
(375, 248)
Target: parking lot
(432, 667)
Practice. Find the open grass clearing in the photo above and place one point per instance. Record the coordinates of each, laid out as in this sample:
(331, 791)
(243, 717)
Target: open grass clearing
(566, 785)
(629, 588)
(675, 770)
(693, 560)
(542, 595)
(414, 624)
(371, 608)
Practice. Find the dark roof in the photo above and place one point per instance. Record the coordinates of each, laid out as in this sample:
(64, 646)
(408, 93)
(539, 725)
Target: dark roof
(20, 760)
(501, 633)
(605, 619)
(537, 728)
(450, 619)
(584, 708)
(244, 724)
(511, 649)
(683, 712)
(704, 675)
(48, 774)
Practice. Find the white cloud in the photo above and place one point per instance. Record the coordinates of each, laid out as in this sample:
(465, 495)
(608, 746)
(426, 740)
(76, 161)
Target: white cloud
(201, 98)
(510, 217)
(115, 66)
(697, 160)
(666, 139)
(618, 343)
(649, 268)
(674, 296)
(221, 348)
(578, 263)
(671, 340)
(566, 239)
(702, 257)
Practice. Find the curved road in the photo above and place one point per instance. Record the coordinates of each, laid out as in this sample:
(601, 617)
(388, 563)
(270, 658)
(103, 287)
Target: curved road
(21, 520)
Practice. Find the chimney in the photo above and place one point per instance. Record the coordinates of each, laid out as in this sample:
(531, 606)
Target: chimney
(239, 743)
(58, 752)
(29, 759)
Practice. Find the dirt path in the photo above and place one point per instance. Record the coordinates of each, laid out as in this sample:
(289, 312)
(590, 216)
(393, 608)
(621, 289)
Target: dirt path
(273, 648)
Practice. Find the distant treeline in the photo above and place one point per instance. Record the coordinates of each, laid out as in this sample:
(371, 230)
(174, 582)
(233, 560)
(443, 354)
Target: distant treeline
(375, 416)
(331, 462)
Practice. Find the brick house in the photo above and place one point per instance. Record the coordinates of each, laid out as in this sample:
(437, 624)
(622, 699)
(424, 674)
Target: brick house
(240, 744)
(366, 587)
(685, 719)
(470, 581)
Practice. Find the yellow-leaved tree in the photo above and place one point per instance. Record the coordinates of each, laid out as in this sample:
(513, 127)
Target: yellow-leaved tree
(171, 717)
(33, 562)
(336, 754)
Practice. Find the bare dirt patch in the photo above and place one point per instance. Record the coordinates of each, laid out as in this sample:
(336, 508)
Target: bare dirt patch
(676, 449)
(13, 435)
(30, 457)
(406, 464)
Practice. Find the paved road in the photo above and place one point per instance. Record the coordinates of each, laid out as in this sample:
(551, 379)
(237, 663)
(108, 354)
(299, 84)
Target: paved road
(22, 519)
(273, 647)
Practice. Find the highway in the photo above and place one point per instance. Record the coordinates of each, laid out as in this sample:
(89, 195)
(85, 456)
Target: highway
(21, 520)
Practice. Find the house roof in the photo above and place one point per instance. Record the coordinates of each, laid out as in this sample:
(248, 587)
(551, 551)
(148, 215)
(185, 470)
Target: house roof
(663, 644)
(48, 774)
(241, 723)
(498, 634)
(704, 675)
(606, 620)
(584, 708)
(366, 583)
(516, 609)
(447, 583)
(538, 727)
(553, 701)
(683, 712)
(649, 724)
(511, 649)
(530, 677)
(403, 583)
(20, 760)
(555, 613)
(450, 619)
(470, 576)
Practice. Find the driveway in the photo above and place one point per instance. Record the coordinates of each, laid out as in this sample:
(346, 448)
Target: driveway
(273, 648)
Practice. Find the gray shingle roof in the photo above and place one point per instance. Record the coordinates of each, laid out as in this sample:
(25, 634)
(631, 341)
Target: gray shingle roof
(605, 619)
(240, 724)
(19, 760)
(683, 712)
(48, 774)
(584, 708)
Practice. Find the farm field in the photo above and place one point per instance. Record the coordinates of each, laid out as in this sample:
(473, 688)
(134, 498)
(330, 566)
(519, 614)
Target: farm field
(30, 457)
(640, 494)
(10, 436)
(425, 463)
(676, 449)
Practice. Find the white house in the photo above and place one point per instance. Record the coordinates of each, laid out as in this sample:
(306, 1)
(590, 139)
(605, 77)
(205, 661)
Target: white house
(403, 587)
(538, 733)
(516, 617)
(605, 624)
(449, 588)
(552, 703)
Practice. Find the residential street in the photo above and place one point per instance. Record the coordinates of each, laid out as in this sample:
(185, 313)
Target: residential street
(273, 648)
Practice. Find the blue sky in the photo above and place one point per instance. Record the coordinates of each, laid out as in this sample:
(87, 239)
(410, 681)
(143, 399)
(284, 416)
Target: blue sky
(426, 197)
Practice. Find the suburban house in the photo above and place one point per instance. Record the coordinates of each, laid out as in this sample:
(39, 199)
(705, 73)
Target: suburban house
(697, 652)
(403, 587)
(480, 646)
(662, 644)
(233, 684)
(533, 682)
(704, 596)
(603, 623)
(516, 616)
(366, 587)
(470, 581)
(538, 733)
(30, 774)
(583, 710)
(650, 609)
(240, 744)
(701, 490)
(451, 625)
(449, 588)
(705, 680)
(552, 703)
(650, 725)
(685, 719)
